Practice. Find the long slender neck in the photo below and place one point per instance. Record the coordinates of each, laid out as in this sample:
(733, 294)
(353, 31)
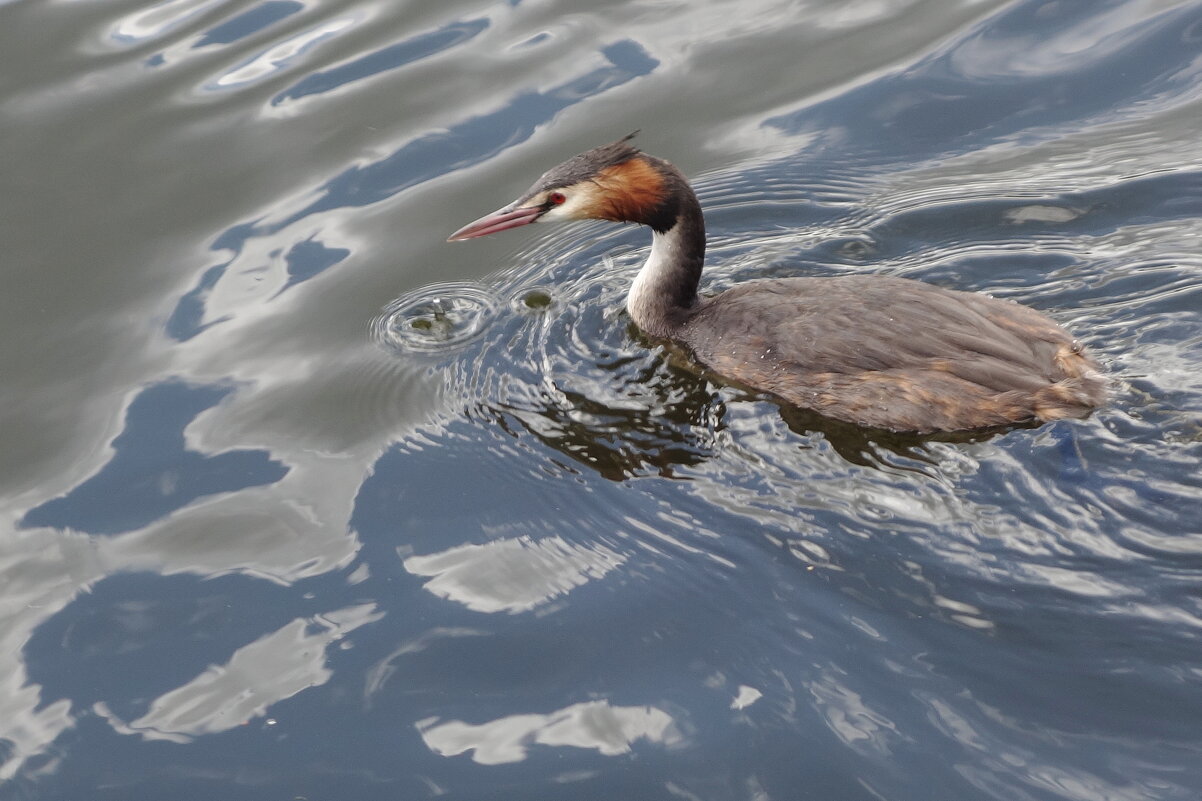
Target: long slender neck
(665, 291)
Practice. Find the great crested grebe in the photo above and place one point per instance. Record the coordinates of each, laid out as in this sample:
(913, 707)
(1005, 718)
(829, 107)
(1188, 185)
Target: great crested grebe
(876, 351)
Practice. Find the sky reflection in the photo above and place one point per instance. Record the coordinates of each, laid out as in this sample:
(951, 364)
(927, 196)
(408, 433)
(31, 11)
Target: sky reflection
(512, 575)
(597, 725)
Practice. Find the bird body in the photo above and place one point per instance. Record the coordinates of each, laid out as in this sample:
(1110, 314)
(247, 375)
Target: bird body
(877, 351)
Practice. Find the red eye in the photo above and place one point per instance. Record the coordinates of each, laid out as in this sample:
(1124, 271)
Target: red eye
(556, 198)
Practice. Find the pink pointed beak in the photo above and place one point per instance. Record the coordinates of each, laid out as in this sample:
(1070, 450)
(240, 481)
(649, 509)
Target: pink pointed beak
(500, 220)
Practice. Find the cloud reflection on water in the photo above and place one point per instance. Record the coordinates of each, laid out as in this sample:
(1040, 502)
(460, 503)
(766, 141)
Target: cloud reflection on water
(512, 575)
(598, 725)
(270, 669)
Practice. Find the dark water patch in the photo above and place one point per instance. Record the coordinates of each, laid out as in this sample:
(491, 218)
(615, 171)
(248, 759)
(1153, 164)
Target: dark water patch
(153, 472)
(131, 638)
(930, 222)
(187, 318)
(979, 90)
(389, 58)
(309, 259)
(636, 570)
(250, 22)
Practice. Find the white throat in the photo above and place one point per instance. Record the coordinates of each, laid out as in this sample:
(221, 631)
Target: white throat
(645, 301)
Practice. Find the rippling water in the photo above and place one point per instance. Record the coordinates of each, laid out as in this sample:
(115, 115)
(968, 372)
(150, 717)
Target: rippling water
(298, 501)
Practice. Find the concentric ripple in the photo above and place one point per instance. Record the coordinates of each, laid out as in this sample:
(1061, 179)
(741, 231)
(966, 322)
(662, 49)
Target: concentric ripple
(436, 319)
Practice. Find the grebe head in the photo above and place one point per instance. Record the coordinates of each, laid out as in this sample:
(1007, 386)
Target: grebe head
(619, 182)
(615, 182)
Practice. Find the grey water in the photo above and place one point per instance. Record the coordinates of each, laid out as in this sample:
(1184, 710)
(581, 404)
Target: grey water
(299, 501)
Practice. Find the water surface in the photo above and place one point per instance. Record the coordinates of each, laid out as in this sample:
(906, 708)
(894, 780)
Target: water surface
(299, 501)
